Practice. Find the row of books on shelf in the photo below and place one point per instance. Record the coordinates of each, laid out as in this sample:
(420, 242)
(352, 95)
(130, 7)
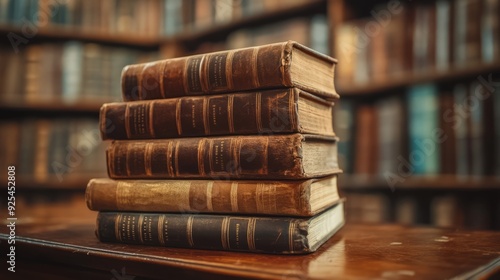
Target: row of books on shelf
(68, 72)
(454, 129)
(146, 18)
(197, 15)
(52, 150)
(431, 36)
(142, 18)
(438, 209)
(310, 31)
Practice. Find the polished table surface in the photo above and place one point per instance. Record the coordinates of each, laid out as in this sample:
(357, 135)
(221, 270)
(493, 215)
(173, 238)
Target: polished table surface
(69, 250)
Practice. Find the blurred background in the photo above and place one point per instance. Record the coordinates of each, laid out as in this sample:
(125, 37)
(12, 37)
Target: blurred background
(419, 116)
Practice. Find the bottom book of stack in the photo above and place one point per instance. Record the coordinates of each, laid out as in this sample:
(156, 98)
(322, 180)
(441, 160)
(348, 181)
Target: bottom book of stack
(280, 217)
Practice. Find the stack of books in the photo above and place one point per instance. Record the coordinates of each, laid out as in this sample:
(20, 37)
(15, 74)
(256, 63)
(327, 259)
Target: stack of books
(232, 150)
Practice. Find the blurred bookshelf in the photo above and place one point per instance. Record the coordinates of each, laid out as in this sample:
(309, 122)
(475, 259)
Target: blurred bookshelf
(431, 76)
(405, 76)
(419, 120)
(280, 11)
(424, 183)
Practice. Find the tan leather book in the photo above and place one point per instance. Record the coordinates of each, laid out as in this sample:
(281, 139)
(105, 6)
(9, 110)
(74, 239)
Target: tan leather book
(285, 64)
(282, 198)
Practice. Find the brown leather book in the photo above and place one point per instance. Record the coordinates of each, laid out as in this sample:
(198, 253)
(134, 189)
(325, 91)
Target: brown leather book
(285, 64)
(272, 111)
(277, 235)
(293, 156)
(282, 198)
(366, 142)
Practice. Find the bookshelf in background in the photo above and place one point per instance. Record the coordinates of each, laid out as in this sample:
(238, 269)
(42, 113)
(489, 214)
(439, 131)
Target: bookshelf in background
(419, 120)
(60, 61)
(250, 23)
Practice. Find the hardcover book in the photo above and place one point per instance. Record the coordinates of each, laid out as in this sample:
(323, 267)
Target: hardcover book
(273, 111)
(286, 64)
(291, 156)
(282, 198)
(423, 122)
(462, 156)
(448, 155)
(278, 235)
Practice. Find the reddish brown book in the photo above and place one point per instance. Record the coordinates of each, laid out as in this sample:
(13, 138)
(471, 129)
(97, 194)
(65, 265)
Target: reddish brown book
(379, 58)
(273, 111)
(286, 64)
(409, 24)
(448, 146)
(365, 161)
(293, 156)
(282, 198)
(395, 42)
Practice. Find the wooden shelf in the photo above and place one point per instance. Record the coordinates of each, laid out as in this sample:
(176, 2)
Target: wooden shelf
(442, 182)
(189, 37)
(81, 107)
(69, 33)
(222, 30)
(69, 182)
(409, 79)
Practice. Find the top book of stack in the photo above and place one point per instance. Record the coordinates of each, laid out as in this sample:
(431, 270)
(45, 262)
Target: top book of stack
(286, 64)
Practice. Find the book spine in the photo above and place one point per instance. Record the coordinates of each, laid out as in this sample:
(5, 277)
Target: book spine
(232, 157)
(216, 232)
(461, 131)
(423, 122)
(389, 113)
(343, 123)
(227, 71)
(443, 34)
(496, 121)
(476, 132)
(365, 161)
(206, 196)
(448, 145)
(239, 113)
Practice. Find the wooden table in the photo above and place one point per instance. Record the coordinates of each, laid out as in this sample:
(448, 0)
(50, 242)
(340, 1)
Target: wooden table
(71, 251)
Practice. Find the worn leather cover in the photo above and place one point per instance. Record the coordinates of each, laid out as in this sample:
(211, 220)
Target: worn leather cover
(260, 67)
(273, 111)
(228, 157)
